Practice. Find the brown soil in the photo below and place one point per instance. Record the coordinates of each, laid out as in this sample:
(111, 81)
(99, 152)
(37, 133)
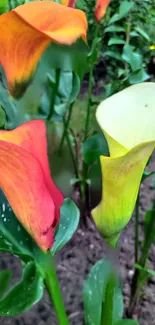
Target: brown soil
(73, 265)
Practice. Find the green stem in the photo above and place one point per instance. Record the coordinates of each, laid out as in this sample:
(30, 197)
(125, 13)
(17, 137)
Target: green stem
(66, 125)
(54, 93)
(138, 279)
(129, 25)
(136, 229)
(72, 155)
(53, 288)
(84, 186)
(90, 84)
(149, 238)
(90, 87)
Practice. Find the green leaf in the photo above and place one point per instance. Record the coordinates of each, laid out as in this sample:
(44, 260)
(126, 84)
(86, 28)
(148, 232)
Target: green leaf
(69, 220)
(5, 277)
(112, 55)
(3, 6)
(94, 294)
(114, 29)
(132, 58)
(124, 9)
(127, 322)
(145, 270)
(13, 237)
(142, 33)
(93, 147)
(134, 34)
(115, 40)
(93, 54)
(24, 294)
(147, 174)
(65, 57)
(138, 76)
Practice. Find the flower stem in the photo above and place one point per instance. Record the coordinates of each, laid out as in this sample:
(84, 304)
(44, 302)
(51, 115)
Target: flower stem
(90, 86)
(66, 125)
(74, 161)
(139, 279)
(53, 288)
(54, 93)
(136, 228)
(85, 189)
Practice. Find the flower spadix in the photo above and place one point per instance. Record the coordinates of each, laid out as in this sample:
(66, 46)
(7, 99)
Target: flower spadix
(25, 180)
(128, 122)
(26, 32)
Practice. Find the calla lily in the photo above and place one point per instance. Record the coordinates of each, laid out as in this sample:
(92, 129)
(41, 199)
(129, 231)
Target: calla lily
(25, 180)
(26, 32)
(101, 7)
(128, 122)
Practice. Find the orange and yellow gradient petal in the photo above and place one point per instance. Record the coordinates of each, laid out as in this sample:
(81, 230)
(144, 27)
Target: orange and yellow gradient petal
(26, 181)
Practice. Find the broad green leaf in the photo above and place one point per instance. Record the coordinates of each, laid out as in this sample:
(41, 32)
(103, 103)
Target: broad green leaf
(13, 237)
(65, 57)
(124, 9)
(5, 277)
(93, 147)
(138, 76)
(142, 33)
(115, 40)
(114, 29)
(69, 220)
(127, 322)
(24, 294)
(132, 58)
(94, 294)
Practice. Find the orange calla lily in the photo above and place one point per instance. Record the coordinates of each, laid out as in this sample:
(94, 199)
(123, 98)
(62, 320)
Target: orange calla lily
(101, 7)
(25, 180)
(69, 3)
(26, 32)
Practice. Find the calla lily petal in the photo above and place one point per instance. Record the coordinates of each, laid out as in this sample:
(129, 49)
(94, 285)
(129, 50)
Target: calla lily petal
(101, 7)
(26, 181)
(26, 32)
(128, 122)
(69, 3)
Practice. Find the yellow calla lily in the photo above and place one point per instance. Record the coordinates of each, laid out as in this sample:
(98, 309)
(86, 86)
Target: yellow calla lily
(128, 122)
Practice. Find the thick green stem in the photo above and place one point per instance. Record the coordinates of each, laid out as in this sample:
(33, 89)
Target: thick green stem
(139, 279)
(53, 288)
(136, 229)
(54, 93)
(66, 125)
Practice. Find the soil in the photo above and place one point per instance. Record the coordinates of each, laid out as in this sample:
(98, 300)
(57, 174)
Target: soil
(74, 263)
